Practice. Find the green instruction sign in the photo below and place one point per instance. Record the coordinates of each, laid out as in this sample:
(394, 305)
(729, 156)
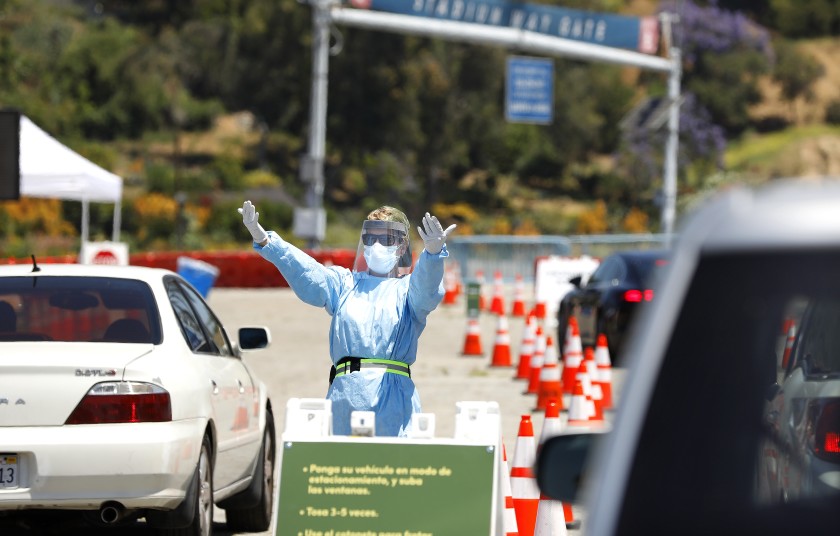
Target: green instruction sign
(385, 489)
(473, 299)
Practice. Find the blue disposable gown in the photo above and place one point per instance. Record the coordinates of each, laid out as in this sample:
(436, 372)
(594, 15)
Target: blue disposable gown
(373, 317)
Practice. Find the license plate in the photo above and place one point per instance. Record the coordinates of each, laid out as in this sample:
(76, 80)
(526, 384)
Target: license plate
(8, 471)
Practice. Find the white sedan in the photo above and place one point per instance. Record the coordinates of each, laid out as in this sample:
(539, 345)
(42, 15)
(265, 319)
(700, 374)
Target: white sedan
(122, 397)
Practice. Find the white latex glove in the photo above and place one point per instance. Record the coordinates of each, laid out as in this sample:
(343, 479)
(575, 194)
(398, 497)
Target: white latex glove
(433, 235)
(250, 217)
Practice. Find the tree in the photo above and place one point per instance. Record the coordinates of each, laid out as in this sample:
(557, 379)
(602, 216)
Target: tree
(795, 72)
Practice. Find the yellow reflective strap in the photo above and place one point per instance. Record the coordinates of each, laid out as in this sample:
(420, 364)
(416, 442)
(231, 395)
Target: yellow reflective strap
(394, 367)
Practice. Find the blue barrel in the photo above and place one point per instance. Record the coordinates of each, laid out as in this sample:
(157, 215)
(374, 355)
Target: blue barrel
(198, 273)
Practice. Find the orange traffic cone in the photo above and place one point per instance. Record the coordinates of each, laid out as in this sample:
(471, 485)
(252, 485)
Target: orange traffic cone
(498, 304)
(591, 375)
(526, 348)
(572, 357)
(526, 494)
(482, 300)
(459, 284)
(509, 520)
(578, 408)
(472, 342)
(537, 360)
(539, 309)
(552, 425)
(602, 360)
(791, 336)
(551, 518)
(501, 349)
(549, 385)
(518, 297)
(450, 286)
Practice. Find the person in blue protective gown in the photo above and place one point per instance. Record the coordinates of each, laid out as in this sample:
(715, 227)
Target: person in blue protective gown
(378, 310)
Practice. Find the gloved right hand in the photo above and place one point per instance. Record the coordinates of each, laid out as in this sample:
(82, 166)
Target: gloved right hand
(250, 217)
(433, 235)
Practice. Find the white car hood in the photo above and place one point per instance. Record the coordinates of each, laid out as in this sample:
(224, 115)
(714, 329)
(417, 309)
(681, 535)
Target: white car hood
(42, 382)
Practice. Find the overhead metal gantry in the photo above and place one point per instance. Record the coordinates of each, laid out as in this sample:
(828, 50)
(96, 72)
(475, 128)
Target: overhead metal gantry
(327, 12)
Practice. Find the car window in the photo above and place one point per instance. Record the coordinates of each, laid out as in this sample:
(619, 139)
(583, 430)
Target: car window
(78, 309)
(818, 347)
(723, 442)
(218, 338)
(611, 268)
(195, 337)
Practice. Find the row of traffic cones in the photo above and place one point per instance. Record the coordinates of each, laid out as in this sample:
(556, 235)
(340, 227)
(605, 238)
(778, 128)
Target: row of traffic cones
(533, 514)
(577, 381)
(583, 376)
(453, 288)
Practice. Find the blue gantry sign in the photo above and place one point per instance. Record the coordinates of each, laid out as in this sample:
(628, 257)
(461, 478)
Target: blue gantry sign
(529, 90)
(619, 31)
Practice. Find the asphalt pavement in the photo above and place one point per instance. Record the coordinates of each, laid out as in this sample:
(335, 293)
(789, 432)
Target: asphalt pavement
(297, 363)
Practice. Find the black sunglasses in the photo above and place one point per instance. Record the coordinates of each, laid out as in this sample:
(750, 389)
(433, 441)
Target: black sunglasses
(384, 239)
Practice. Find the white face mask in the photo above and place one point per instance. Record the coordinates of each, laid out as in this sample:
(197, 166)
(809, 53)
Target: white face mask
(381, 259)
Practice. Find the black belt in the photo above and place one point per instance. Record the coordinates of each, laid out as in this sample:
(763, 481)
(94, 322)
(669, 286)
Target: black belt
(347, 365)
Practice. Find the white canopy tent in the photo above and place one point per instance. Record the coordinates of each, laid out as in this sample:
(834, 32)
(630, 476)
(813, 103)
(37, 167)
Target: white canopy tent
(50, 169)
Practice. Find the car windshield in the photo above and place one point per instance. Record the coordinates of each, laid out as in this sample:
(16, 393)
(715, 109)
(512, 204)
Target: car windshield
(643, 266)
(77, 309)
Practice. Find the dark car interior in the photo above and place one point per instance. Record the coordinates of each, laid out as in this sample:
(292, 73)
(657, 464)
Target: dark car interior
(78, 309)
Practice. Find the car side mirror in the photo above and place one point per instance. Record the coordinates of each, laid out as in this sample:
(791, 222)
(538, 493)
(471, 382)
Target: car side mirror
(254, 338)
(560, 464)
(576, 281)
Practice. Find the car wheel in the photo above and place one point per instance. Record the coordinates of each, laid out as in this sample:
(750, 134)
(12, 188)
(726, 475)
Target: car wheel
(201, 523)
(257, 518)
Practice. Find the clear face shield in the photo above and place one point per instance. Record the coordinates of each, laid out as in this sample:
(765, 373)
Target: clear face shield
(384, 249)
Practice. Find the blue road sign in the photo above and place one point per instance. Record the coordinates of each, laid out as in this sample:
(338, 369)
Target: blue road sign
(529, 90)
(608, 29)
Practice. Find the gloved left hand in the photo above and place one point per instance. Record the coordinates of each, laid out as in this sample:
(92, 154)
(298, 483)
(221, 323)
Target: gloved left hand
(433, 235)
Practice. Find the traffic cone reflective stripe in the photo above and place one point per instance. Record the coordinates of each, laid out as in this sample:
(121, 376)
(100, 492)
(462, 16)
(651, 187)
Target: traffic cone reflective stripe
(549, 378)
(518, 297)
(498, 304)
(526, 349)
(472, 342)
(501, 348)
(509, 519)
(604, 363)
(536, 363)
(526, 494)
(551, 518)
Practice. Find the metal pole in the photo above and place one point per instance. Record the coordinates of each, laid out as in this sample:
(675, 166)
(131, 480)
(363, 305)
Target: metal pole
(312, 170)
(669, 189)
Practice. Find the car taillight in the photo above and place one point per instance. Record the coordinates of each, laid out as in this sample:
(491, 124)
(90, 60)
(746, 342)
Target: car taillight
(827, 429)
(636, 296)
(121, 402)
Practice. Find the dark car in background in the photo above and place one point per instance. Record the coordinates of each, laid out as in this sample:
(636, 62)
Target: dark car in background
(610, 297)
